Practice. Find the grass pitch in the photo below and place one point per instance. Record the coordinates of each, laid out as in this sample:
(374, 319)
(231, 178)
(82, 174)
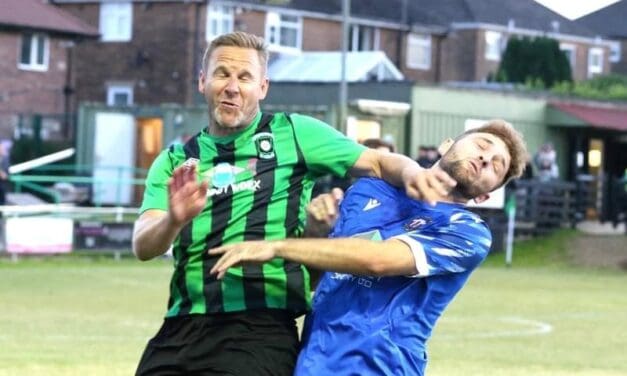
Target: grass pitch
(93, 316)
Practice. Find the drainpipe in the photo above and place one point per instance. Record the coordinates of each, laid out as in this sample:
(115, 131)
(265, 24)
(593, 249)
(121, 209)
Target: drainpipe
(68, 90)
(195, 55)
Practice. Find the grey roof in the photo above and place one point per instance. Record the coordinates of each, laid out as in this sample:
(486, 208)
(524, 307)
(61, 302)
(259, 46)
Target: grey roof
(526, 14)
(610, 21)
(326, 66)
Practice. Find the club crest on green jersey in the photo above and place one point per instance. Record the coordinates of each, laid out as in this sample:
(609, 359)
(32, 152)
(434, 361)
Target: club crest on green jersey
(264, 142)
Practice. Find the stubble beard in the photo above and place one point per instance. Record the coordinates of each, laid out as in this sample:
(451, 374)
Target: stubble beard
(464, 188)
(220, 127)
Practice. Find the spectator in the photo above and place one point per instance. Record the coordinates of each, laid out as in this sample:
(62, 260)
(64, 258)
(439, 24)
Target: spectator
(4, 172)
(545, 162)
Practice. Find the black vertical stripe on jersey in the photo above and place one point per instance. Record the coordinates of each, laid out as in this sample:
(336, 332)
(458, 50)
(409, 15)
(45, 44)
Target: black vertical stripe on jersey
(221, 208)
(254, 287)
(192, 150)
(295, 274)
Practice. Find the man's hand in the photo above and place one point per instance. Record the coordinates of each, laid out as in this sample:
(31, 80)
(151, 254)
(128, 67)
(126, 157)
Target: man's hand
(430, 185)
(187, 197)
(236, 254)
(322, 213)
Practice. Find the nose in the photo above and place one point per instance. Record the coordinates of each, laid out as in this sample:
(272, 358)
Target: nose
(485, 159)
(232, 87)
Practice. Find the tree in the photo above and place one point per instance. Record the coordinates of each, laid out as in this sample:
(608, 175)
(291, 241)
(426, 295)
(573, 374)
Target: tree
(536, 62)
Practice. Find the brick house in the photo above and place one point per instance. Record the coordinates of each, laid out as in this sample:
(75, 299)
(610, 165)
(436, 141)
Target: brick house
(37, 41)
(149, 51)
(609, 22)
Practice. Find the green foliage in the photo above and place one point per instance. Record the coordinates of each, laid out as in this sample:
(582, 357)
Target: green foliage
(608, 87)
(537, 62)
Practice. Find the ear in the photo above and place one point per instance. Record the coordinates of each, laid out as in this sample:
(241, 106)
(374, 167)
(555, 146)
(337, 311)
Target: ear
(265, 84)
(201, 82)
(481, 198)
(445, 145)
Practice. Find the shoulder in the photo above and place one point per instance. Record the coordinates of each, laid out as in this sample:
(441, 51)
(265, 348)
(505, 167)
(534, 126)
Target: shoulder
(300, 119)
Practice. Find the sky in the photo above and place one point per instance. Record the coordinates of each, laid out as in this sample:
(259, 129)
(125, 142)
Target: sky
(575, 8)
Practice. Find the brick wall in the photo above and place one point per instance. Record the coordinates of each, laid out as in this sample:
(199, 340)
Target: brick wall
(321, 35)
(27, 91)
(459, 53)
(158, 61)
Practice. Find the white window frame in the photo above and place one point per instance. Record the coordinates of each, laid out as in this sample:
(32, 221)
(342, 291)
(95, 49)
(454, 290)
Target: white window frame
(274, 20)
(572, 54)
(493, 45)
(368, 34)
(34, 48)
(116, 21)
(615, 52)
(418, 41)
(592, 68)
(119, 88)
(221, 14)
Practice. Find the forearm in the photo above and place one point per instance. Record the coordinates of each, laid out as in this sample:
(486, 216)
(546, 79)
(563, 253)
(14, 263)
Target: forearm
(153, 235)
(354, 256)
(392, 168)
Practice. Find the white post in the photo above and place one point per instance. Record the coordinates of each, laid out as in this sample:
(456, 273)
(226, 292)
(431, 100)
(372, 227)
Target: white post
(511, 221)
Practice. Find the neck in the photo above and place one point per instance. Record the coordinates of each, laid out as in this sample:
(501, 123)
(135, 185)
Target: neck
(216, 129)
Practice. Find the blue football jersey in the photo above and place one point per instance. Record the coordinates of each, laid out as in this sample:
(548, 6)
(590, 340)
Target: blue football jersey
(362, 325)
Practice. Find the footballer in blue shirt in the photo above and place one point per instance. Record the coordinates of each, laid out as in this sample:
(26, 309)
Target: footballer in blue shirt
(393, 263)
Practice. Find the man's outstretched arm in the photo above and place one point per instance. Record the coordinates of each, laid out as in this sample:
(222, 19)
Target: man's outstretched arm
(421, 184)
(346, 255)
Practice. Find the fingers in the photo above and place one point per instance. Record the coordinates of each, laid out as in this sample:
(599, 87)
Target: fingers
(430, 185)
(337, 194)
(324, 208)
(227, 260)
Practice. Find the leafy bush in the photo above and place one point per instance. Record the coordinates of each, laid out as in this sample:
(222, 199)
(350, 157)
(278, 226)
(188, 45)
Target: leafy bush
(539, 63)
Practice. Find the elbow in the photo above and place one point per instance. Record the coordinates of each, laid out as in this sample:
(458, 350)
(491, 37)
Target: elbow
(376, 268)
(139, 252)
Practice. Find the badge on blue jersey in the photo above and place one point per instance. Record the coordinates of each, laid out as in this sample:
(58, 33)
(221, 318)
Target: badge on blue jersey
(264, 142)
(416, 223)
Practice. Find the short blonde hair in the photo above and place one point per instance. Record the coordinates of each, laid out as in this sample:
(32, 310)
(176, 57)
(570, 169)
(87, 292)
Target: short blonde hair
(238, 39)
(513, 140)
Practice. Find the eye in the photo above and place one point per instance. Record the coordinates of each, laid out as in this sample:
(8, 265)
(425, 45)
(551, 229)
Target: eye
(498, 166)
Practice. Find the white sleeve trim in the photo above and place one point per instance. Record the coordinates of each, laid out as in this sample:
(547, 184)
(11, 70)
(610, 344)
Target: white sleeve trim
(420, 258)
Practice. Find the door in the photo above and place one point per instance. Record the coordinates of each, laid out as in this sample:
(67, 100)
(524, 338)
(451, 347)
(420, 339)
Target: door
(114, 158)
(149, 145)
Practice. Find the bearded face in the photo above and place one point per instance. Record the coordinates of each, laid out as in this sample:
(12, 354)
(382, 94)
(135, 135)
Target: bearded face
(478, 162)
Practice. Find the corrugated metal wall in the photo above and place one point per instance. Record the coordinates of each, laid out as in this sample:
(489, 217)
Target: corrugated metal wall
(439, 113)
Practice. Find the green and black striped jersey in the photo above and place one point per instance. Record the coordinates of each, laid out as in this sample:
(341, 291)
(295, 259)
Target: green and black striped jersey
(260, 182)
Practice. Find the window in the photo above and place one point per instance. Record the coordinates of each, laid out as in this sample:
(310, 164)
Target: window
(116, 22)
(219, 20)
(419, 51)
(595, 61)
(120, 95)
(363, 38)
(34, 52)
(570, 50)
(493, 45)
(615, 52)
(283, 32)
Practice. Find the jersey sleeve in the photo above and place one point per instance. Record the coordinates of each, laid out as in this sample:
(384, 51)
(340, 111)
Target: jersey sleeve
(457, 247)
(156, 187)
(326, 150)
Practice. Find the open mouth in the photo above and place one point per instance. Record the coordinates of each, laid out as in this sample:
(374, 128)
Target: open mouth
(228, 104)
